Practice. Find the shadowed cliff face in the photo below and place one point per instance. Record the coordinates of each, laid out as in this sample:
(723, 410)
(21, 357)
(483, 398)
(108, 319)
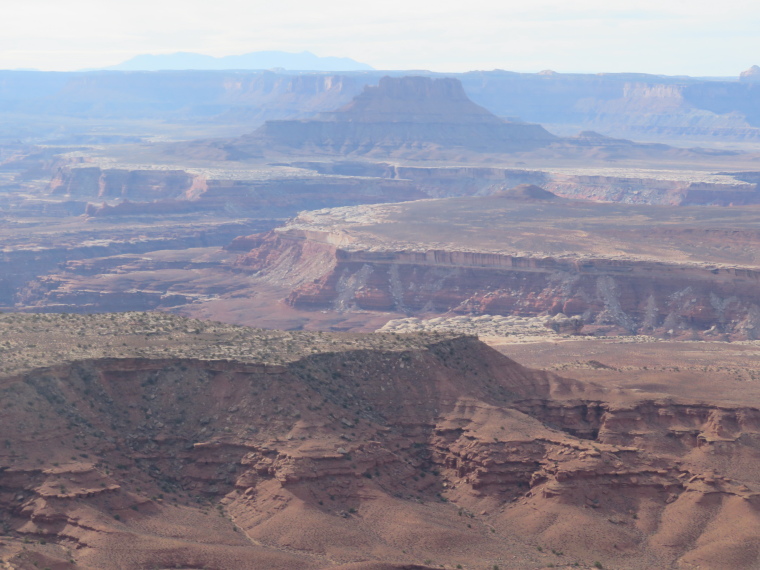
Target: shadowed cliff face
(293, 450)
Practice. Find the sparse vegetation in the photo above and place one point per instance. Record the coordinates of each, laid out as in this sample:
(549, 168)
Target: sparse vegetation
(133, 440)
(48, 339)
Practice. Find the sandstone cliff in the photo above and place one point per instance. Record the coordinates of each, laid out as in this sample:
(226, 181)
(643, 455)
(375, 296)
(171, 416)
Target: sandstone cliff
(666, 274)
(275, 192)
(402, 115)
(145, 185)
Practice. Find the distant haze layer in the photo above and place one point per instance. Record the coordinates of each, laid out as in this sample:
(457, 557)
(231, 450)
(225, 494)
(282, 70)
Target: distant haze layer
(697, 38)
(304, 61)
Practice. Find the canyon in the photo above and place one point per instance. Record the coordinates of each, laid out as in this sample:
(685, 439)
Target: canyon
(688, 272)
(685, 271)
(82, 227)
(492, 331)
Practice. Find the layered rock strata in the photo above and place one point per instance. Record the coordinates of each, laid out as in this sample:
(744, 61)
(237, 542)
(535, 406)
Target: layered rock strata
(666, 276)
(624, 185)
(214, 445)
(403, 114)
(273, 192)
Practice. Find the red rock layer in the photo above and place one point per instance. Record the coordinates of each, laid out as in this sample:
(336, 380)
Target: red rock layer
(449, 455)
(620, 295)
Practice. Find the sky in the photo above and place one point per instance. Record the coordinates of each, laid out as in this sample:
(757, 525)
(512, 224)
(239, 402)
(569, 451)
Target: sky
(673, 37)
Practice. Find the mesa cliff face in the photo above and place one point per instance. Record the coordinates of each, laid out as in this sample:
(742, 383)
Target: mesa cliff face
(627, 297)
(295, 450)
(406, 114)
(276, 193)
(666, 274)
(93, 182)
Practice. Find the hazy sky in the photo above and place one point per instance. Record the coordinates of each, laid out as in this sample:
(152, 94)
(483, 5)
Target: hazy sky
(690, 37)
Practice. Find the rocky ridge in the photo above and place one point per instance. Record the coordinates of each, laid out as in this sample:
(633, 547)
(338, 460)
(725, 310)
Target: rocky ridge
(199, 443)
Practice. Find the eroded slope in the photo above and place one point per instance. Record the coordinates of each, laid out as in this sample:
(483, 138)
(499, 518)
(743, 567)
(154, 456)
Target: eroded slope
(161, 441)
(622, 268)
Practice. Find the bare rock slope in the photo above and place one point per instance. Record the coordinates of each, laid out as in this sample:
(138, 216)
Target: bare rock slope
(138, 440)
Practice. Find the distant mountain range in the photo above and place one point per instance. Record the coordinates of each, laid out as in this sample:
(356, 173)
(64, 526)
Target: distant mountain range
(304, 61)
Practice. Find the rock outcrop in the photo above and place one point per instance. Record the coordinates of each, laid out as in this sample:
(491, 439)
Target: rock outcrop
(219, 446)
(666, 274)
(271, 193)
(406, 114)
(610, 297)
(143, 185)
